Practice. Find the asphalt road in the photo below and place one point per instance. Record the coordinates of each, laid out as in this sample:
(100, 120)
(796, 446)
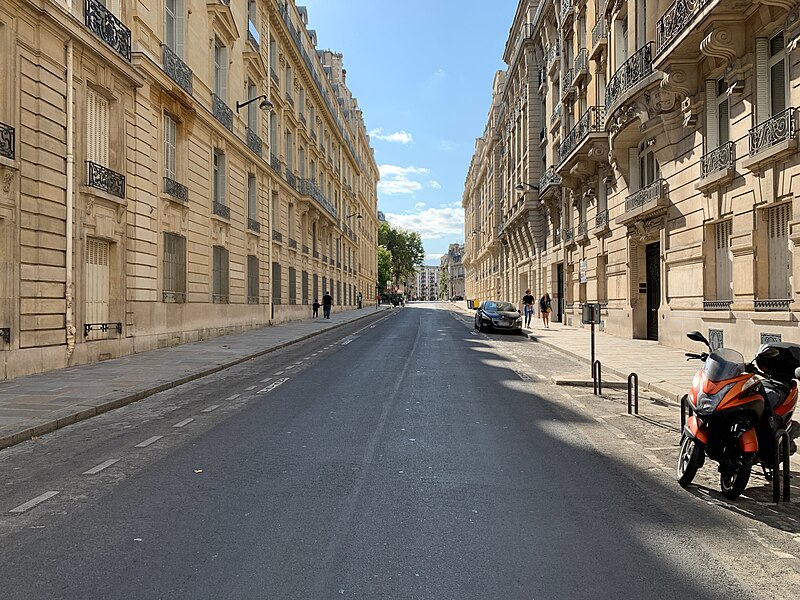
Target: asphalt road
(406, 457)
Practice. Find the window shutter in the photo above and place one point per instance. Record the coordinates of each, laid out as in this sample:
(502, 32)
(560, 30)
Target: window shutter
(223, 74)
(712, 134)
(777, 86)
(762, 81)
(169, 24)
(170, 134)
(779, 256)
(634, 183)
(724, 262)
(222, 199)
(179, 26)
(97, 128)
(723, 119)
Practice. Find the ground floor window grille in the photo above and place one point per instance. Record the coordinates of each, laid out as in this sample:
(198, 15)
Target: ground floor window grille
(220, 276)
(779, 256)
(252, 280)
(174, 268)
(724, 261)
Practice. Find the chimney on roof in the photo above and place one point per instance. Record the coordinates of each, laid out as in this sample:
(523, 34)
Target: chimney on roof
(344, 76)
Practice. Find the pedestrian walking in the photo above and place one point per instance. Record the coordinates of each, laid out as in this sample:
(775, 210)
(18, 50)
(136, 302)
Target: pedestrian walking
(527, 307)
(545, 308)
(327, 303)
(315, 309)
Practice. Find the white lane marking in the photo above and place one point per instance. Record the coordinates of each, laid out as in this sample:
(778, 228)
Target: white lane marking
(273, 385)
(344, 343)
(211, 408)
(149, 441)
(267, 380)
(31, 503)
(101, 466)
(278, 373)
(234, 397)
(248, 389)
(372, 326)
(299, 364)
(523, 376)
(290, 367)
(183, 423)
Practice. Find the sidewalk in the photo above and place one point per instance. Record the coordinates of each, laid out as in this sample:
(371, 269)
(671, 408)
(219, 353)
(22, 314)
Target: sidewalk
(37, 404)
(661, 369)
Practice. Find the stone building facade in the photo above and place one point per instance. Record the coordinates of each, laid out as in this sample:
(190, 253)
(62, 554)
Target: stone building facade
(658, 175)
(452, 266)
(171, 171)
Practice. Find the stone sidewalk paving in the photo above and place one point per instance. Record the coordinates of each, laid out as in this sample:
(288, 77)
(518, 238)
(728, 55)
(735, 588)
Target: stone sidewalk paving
(661, 369)
(37, 404)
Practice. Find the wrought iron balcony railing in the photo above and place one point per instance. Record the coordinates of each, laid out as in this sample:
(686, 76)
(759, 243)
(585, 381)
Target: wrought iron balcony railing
(601, 220)
(772, 304)
(292, 244)
(222, 111)
(780, 128)
(291, 178)
(675, 20)
(108, 28)
(325, 258)
(5, 334)
(277, 236)
(599, 34)
(252, 299)
(717, 160)
(275, 163)
(567, 9)
(105, 179)
(177, 70)
(592, 120)
(274, 76)
(553, 55)
(253, 225)
(254, 142)
(305, 249)
(569, 234)
(219, 298)
(315, 254)
(103, 327)
(7, 141)
(632, 71)
(583, 229)
(567, 86)
(176, 190)
(542, 76)
(717, 304)
(221, 210)
(173, 297)
(548, 179)
(307, 187)
(557, 237)
(581, 65)
(303, 118)
(289, 98)
(652, 192)
(556, 116)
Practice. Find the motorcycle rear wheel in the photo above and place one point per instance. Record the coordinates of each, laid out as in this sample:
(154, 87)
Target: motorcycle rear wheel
(733, 484)
(690, 460)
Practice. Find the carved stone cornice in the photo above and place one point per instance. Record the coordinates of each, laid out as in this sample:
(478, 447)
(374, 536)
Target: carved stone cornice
(783, 4)
(724, 43)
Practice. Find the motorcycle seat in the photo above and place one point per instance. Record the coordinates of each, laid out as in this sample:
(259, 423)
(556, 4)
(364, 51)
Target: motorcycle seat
(776, 391)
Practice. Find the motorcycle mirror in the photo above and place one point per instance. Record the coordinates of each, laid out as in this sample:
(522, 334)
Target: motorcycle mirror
(698, 337)
(797, 373)
(768, 353)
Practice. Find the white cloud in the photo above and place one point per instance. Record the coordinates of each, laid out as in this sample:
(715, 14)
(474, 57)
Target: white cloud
(435, 184)
(398, 137)
(419, 206)
(398, 180)
(431, 223)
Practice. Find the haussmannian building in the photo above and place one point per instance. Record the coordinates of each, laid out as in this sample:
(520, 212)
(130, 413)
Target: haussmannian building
(172, 170)
(452, 268)
(643, 154)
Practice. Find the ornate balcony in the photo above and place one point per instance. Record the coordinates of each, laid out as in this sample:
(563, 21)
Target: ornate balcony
(292, 244)
(772, 139)
(633, 71)
(592, 121)
(7, 141)
(717, 304)
(553, 57)
(221, 210)
(717, 166)
(277, 236)
(275, 163)
(104, 179)
(599, 38)
(772, 304)
(549, 181)
(582, 231)
(569, 236)
(176, 190)
(601, 221)
(555, 118)
(676, 20)
(177, 70)
(581, 66)
(567, 11)
(307, 187)
(274, 76)
(253, 225)
(108, 28)
(222, 111)
(254, 142)
(568, 87)
(291, 178)
(647, 202)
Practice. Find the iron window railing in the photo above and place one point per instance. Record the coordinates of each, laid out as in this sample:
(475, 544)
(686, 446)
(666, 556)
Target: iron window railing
(7, 141)
(780, 128)
(177, 70)
(108, 28)
(581, 64)
(651, 192)
(173, 297)
(599, 32)
(291, 178)
(274, 76)
(717, 304)
(675, 20)
(549, 178)
(254, 142)
(553, 54)
(221, 210)
(307, 187)
(222, 111)
(556, 116)
(719, 159)
(103, 327)
(583, 228)
(105, 179)
(592, 120)
(772, 304)
(175, 189)
(275, 163)
(5, 334)
(632, 71)
(277, 236)
(253, 225)
(292, 244)
(569, 234)
(601, 220)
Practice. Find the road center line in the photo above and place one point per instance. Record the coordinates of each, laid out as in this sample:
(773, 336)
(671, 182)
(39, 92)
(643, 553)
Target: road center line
(211, 408)
(184, 423)
(344, 343)
(149, 441)
(267, 380)
(103, 465)
(273, 385)
(31, 503)
(247, 389)
(234, 397)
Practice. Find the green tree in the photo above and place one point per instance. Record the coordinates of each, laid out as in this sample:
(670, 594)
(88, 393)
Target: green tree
(384, 268)
(443, 295)
(406, 250)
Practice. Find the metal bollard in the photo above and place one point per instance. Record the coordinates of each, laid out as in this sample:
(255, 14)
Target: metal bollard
(782, 443)
(597, 378)
(635, 378)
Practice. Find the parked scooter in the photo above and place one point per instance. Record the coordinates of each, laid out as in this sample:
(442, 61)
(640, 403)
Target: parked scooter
(737, 410)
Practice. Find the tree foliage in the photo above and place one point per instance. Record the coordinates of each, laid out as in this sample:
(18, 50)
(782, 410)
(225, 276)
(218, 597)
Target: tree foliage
(407, 252)
(384, 267)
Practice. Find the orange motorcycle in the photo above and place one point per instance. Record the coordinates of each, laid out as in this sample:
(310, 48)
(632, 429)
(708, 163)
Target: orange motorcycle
(738, 411)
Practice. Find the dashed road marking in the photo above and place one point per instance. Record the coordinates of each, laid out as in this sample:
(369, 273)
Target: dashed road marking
(248, 389)
(211, 408)
(267, 380)
(234, 397)
(523, 376)
(31, 503)
(103, 465)
(183, 423)
(344, 343)
(273, 385)
(149, 441)
(277, 373)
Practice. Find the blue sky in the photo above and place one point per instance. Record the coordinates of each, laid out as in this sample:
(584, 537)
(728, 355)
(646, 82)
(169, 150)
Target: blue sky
(422, 72)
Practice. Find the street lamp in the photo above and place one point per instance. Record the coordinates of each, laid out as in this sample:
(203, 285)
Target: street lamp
(520, 187)
(263, 105)
(356, 215)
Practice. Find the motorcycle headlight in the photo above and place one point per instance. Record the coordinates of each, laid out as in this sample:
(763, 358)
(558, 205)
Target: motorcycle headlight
(753, 381)
(708, 403)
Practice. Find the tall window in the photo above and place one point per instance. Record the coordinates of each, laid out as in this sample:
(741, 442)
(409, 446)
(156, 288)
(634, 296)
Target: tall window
(219, 294)
(273, 55)
(276, 212)
(289, 152)
(170, 148)
(292, 285)
(220, 70)
(252, 279)
(723, 260)
(780, 259)
(252, 108)
(219, 176)
(644, 167)
(717, 114)
(276, 283)
(252, 197)
(174, 268)
(771, 80)
(97, 117)
(301, 162)
(173, 26)
(273, 134)
(291, 221)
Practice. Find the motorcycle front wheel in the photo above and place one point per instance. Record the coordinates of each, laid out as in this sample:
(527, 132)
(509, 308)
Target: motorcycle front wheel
(732, 483)
(690, 460)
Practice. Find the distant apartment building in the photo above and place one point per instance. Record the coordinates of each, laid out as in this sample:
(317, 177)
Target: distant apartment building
(172, 170)
(426, 284)
(641, 155)
(452, 267)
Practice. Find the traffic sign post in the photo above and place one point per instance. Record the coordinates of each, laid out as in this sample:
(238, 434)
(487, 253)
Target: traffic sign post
(591, 316)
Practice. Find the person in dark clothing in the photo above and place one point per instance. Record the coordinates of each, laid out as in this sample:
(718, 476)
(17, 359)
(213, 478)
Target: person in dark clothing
(327, 303)
(315, 309)
(545, 308)
(527, 307)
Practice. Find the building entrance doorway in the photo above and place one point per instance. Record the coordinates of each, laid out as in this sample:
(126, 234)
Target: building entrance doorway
(653, 266)
(560, 292)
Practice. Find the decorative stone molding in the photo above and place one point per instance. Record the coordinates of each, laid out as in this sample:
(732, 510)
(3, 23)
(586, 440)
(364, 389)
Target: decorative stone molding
(8, 180)
(282, 60)
(724, 43)
(783, 4)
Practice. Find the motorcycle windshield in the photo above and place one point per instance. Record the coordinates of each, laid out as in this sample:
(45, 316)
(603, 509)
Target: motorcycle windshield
(724, 364)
